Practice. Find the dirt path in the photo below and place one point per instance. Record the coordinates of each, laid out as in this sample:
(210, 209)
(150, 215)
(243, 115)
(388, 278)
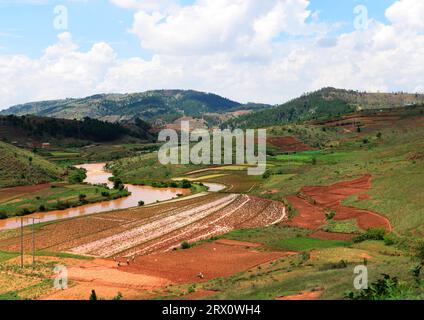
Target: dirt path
(312, 203)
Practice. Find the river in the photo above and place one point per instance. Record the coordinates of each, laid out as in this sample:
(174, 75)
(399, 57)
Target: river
(96, 174)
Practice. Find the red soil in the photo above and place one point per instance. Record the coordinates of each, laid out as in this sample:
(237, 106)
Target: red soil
(213, 260)
(288, 144)
(306, 296)
(26, 189)
(363, 197)
(315, 200)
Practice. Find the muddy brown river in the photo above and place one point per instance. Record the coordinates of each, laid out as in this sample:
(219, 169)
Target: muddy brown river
(96, 174)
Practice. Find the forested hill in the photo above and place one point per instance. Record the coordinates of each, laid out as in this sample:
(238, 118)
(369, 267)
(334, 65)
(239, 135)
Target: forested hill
(325, 103)
(165, 105)
(31, 128)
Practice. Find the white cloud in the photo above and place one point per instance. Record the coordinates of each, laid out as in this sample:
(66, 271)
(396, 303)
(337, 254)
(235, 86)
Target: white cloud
(264, 51)
(407, 14)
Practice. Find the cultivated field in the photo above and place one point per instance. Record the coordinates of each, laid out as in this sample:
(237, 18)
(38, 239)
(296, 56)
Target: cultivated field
(145, 230)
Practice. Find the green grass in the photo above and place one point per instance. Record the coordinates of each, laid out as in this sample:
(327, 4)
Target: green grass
(5, 255)
(307, 244)
(346, 226)
(283, 238)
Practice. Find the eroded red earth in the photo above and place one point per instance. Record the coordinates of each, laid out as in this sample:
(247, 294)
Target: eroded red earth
(312, 203)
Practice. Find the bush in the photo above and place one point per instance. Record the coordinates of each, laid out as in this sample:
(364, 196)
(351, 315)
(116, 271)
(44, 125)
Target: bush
(382, 289)
(390, 239)
(330, 214)
(118, 297)
(3, 215)
(266, 175)
(25, 211)
(185, 245)
(141, 203)
(185, 184)
(105, 194)
(371, 234)
(93, 296)
(77, 175)
(118, 184)
(42, 208)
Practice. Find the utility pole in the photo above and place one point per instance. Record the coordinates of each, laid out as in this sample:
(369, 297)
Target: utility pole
(22, 242)
(33, 241)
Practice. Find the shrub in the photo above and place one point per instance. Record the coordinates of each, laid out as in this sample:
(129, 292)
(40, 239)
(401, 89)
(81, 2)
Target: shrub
(383, 289)
(390, 239)
(105, 194)
(42, 208)
(330, 214)
(185, 245)
(371, 234)
(141, 203)
(3, 215)
(185, 184)
(266, 175)
(93, 296)
(25, 211)
(118, 297)
(117, 184)
(342, 264)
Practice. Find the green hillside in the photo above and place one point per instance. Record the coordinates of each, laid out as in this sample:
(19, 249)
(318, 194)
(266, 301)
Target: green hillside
(20, 167)
(165, 105)
(33, 130)
(322, 104)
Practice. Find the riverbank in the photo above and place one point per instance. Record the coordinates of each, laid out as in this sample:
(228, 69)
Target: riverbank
(96, 183)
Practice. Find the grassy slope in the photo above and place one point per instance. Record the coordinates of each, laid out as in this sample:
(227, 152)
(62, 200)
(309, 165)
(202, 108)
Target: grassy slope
(396, 178)
(20, 167)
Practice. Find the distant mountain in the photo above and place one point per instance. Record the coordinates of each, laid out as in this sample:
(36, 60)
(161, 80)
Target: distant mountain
(322, 104)
(152, 106)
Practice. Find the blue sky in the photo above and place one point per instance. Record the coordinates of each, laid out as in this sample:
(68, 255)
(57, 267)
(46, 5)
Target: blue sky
(27, 27)
(247, 50)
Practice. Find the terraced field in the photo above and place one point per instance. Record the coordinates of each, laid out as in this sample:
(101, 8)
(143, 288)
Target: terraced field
(142, 231)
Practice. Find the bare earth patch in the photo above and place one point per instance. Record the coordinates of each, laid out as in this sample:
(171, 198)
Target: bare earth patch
(314, 295)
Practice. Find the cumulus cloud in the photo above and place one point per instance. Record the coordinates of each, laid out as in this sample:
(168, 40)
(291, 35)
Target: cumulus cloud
(264, 51)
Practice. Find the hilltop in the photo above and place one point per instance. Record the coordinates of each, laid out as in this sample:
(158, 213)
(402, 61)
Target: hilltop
(323, 104)
(159, 106)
